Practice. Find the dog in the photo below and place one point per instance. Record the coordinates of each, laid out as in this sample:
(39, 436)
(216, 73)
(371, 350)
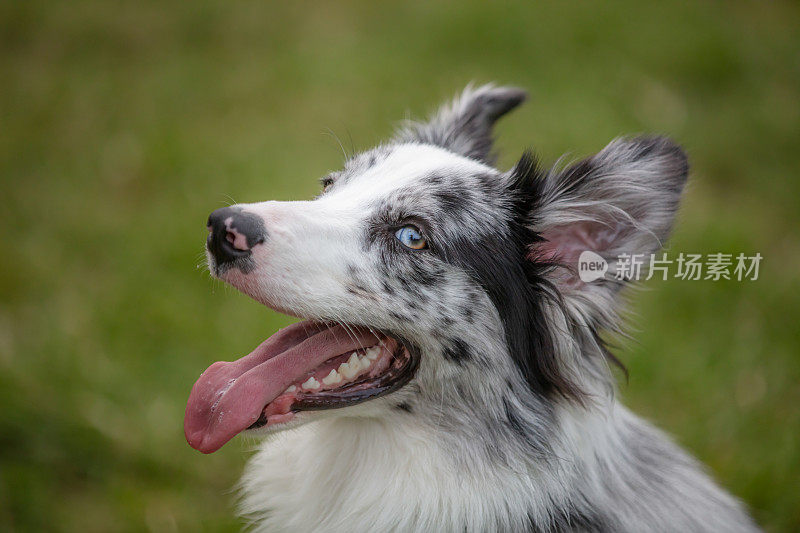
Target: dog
(449, 373)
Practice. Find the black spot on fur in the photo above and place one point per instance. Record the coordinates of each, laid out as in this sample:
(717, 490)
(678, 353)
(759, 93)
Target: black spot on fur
(457, 351)
(571, 519)
(427, 277)
(387, 288)
(360, 291)
(361, 288)
(398, 316)
(450, 200)
(404, 407)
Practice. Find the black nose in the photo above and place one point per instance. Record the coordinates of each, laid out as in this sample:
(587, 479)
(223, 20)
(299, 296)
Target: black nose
(233, 232)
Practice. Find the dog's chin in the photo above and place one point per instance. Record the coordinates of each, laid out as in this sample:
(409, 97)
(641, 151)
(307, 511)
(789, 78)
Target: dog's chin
(240, 273)
(299, 419)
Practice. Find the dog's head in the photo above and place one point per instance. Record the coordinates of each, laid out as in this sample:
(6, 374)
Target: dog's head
(420, 269)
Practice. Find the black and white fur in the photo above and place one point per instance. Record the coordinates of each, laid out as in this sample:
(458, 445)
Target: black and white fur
(511, 422)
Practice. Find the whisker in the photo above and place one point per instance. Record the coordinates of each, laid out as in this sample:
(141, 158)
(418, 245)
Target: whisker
(336, 137)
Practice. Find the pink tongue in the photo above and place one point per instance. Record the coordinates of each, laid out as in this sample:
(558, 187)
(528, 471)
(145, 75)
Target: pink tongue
(230, 396)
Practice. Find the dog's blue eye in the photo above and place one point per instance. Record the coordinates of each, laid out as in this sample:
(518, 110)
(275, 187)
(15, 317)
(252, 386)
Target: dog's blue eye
(411, 237)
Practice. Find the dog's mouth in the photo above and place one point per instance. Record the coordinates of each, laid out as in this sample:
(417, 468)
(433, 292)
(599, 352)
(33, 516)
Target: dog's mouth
(306, 366)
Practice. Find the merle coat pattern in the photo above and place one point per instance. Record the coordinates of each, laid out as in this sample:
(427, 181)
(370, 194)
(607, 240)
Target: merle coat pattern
(511, 421)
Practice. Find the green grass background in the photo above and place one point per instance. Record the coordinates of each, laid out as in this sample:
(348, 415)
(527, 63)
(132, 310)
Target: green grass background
(123, 124)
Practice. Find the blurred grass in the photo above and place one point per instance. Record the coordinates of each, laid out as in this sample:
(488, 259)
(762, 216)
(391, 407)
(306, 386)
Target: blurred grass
(122, 124)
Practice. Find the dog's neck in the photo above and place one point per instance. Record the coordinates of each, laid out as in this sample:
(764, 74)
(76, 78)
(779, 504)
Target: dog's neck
(362, 474)
(606, 470)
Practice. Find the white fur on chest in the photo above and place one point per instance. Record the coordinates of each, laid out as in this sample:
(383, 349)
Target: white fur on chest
(360, 474)
(350, 474)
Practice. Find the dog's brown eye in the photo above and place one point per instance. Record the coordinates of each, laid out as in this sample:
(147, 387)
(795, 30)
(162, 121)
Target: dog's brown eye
(326, 182)
(411, 237)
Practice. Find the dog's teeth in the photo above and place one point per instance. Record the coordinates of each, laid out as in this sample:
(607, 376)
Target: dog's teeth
(291, 388)
(311, 384)
(347, 371)
(373, 353)
(354, 361)
(332, 378)
(364, 362)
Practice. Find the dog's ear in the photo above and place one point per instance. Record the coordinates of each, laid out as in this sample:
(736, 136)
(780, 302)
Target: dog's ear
(465, 125)
(616, 204)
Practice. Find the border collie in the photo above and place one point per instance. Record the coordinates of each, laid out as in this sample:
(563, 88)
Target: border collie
(450, 374)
